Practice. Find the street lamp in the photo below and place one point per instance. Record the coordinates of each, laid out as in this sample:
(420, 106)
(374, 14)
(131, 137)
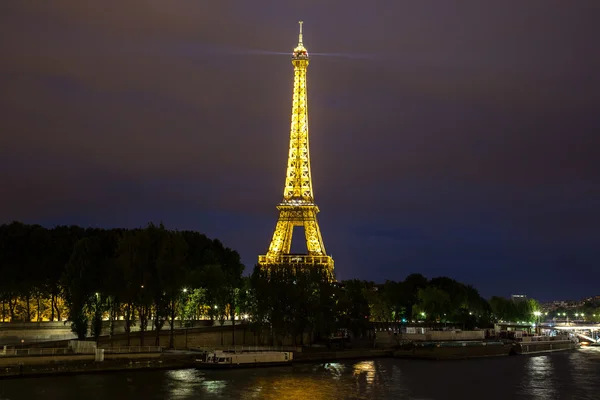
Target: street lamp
(537, 316)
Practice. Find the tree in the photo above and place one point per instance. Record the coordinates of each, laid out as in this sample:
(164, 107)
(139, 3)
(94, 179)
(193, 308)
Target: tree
(97, 306)
(353, 307)
(434, 302)
(457, 293)
(130, 261)
(232, 268)
(217, 292)
(380, 309)
(14, 247)
(63, 240)
(171, 274)
(513, 311)
(409, 290)
(534, 306)
(395, 299)
(79, 279)
(245, 298)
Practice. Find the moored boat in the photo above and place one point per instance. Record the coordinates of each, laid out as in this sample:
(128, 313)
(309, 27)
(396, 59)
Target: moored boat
(448, 350)
(221, 359)
(545, 344)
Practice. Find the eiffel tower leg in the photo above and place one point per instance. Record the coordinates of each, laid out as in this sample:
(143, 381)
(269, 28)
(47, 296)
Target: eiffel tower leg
(282, 237)
(287, 242)
(314, 241)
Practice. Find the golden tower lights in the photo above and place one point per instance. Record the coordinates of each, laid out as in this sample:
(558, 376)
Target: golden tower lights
(298, 207)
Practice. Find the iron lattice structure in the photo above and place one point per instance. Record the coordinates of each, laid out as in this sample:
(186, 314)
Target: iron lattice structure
(298, 207)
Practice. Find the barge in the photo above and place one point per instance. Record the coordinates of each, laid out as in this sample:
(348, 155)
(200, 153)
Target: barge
(544, 344)
(222, 360)
(453, 350)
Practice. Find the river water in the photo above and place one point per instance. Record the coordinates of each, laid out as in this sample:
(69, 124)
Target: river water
(563, 375)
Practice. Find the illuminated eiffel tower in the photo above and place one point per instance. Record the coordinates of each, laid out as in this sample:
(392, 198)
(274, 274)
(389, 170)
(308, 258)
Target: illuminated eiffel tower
(298, 207)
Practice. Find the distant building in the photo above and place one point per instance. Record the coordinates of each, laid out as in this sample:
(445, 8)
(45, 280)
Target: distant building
(518, 297)
(592, 299)
(569, 304)
(554, 305)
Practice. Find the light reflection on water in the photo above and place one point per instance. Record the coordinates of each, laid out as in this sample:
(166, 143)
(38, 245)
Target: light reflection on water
(565, 375)
(186, 382)
(182, 383)
(537, 379)
(366, 368)
(335, 369)
(579, 366)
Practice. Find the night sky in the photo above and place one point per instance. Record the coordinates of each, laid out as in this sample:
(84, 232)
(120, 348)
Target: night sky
(447, 138)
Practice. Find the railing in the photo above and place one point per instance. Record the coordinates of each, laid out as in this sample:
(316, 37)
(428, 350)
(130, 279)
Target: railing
(253, 349)
(529, 339)
(296, 259)
(65, 351)
(132, 349)
(34, 352)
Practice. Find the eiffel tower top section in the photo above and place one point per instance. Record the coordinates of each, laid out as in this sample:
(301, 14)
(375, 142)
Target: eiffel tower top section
(298, 183)
(300, 51)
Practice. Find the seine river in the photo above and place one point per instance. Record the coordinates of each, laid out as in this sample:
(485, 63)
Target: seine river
(564, 375)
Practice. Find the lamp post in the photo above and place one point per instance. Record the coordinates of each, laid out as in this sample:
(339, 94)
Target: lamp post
(537, 317)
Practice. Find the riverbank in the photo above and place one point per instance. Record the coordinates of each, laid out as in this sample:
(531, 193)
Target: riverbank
(22, 367)
(36, 366)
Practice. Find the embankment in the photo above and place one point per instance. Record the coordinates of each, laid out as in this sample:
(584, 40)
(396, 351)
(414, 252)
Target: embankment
(35, 366)
(20, 367)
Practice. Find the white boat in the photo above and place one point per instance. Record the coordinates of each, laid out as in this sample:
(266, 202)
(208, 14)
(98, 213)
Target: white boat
(545, 344)
(221, 359)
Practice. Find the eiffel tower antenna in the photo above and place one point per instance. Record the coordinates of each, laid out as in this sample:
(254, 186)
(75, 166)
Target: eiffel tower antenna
(298, 207)
(300, 35)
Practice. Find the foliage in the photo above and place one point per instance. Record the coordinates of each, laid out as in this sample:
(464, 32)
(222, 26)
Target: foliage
(513, 311)
(434, 303)
(353, 307)
(293, 299)
(137, 274)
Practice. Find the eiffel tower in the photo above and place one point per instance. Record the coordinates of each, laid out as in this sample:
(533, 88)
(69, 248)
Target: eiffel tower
(298, 207)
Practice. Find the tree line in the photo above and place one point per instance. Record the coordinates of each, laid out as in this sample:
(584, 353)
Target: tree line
(139, 276)
(152, 276)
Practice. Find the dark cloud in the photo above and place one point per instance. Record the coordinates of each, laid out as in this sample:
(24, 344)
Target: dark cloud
(452, 139)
